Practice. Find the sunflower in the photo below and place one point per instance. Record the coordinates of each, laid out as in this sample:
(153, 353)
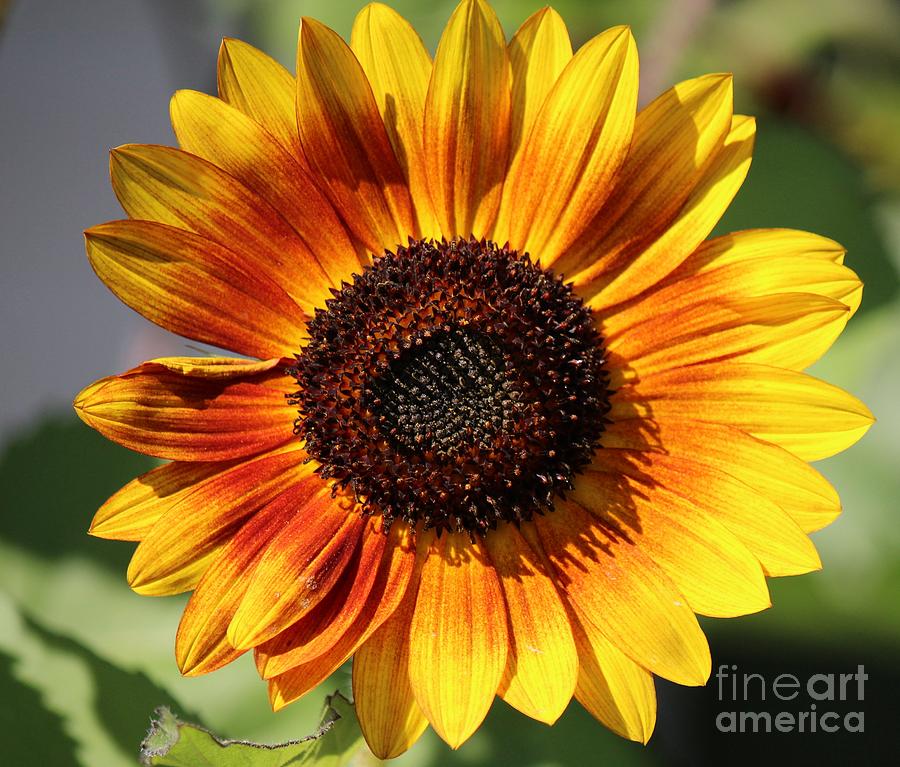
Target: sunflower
(504, 419)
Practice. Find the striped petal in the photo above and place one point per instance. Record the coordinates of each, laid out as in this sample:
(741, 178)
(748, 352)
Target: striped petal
(346, 143)
(674, 139)
(228, 138)
(261, 88)
(542, 666)
(201, 644)
(578, 142)
(194, 287)
(322, 628)
(712, 568)
(389, 716)
(458, 636)
(772, 471)
(603, 286)
(157, 183)
(466, 125)
(612, 585)
(189, 535)
(612, 687)
(299, 569)
(394, 576)
(807, 416)
(186, 418)
(398, 68)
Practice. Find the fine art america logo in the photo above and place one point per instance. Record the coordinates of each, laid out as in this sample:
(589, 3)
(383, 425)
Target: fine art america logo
(828, 702)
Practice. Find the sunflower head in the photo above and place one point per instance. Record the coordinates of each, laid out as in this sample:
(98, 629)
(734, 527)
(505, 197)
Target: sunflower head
(504, 419)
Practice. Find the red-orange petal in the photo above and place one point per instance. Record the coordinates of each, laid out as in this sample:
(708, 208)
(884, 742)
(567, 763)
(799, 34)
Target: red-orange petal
(395, 574)
(188, 536)
(299, 569)
(324, 626)
(346, 143)
(201, 644)
(190, 418)
(194, 287)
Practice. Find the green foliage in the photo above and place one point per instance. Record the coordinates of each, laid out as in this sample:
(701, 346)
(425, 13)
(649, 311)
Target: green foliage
(173, 743)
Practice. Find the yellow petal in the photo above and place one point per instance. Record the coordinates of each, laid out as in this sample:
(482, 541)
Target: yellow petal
(807, 416)
(721, 180)
(346, 143)
(261, 88)
(612, 687)
(611, 584)
(542, 666)
(467, 121)
(790, 330)
(389, 716)
(211, 129)
(771, 471)
(398, 67)
(458, 636)
(674, 138)
(578, 141)
(131, 512)
(538, 53)
(716, 573)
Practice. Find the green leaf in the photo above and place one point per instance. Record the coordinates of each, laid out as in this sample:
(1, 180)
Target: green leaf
(173, 743)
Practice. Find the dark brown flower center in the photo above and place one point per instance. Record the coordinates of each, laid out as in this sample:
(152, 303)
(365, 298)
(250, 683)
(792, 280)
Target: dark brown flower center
(454, 384)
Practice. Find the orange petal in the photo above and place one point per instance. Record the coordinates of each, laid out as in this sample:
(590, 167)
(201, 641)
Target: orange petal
(185, 418)
(398, 68)
(261, 88)
(201, 644)
(807, 416)
(210, 128)
(707, 563)
(346, 143)
(466, 126)
(298, 570)
(772, 471)
(578, 141)
(603, 286)
(389, 716)
(188, 536)
(158, 183)
(394, 575)
(322, 628)
(542, 666)
(613, 585)
(674, 139)
(612, 687)
(194, 287)
(458, 636)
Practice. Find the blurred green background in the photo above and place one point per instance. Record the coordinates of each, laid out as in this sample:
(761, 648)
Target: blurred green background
(83, 661)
